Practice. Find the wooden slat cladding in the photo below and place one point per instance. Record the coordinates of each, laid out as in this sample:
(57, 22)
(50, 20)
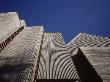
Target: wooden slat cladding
(19, 58)
(55, 61)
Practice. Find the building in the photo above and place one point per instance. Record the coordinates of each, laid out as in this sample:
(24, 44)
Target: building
(29, 53)
(96, 49)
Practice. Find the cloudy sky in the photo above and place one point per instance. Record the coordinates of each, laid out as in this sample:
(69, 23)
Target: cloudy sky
(69, 17)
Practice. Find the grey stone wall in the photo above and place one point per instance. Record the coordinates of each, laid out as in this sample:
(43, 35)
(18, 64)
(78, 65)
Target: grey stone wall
(99, 57)
(87, 40)
(33, 54)
(9, 23)
(18, 59)
(55, 61)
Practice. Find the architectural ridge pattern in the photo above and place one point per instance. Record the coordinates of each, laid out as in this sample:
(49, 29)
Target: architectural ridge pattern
(29, 53)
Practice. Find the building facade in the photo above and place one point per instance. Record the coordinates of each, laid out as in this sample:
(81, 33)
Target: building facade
(29, 53)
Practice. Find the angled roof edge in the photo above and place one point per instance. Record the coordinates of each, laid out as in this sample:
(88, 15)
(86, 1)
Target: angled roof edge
(41, 27)
(80, 34)
(74, 39)
(60, 34)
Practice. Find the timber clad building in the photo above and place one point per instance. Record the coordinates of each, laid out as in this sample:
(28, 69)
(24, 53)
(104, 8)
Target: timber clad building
(28, 54)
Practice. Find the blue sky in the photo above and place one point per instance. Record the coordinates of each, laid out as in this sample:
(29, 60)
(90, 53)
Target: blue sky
(69, 17)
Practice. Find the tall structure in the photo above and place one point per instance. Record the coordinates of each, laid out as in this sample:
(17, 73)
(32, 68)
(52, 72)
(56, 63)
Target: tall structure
(55, 61)
(28, 54)
(96, 49)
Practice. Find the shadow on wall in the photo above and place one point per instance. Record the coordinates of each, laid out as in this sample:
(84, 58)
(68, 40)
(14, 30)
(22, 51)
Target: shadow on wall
(85, 70)
(13, 73)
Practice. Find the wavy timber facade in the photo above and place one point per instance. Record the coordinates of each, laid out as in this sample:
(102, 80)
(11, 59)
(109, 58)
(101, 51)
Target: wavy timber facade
(28, 54)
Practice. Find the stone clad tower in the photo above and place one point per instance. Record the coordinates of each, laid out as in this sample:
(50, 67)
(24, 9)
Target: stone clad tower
(97, 51)
(28, 54)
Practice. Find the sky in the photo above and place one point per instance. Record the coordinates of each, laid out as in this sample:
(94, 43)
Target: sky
(70, 17)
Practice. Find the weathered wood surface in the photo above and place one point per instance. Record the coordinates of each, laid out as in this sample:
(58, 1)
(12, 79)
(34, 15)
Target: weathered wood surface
(18, 59)
(55, 61)
(99, 57)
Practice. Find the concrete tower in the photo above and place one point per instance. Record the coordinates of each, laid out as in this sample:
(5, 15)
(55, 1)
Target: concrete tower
(29, 53)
